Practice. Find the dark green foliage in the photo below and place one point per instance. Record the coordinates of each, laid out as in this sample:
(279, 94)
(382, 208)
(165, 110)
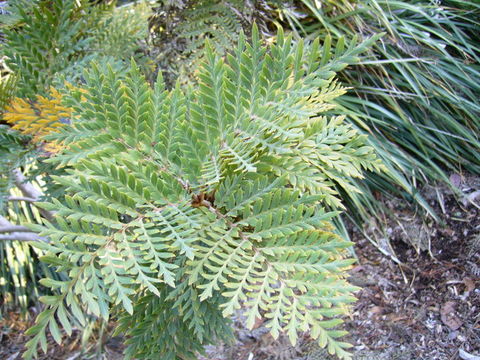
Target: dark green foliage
(44, 46)
(168, 320)
(116, 32)
(61, 37)
(178, 30)
(208, 199)
(10, 12)
(8, 84)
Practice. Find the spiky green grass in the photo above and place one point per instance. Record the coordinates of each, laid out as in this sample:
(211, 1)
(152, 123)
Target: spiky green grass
(416, 93)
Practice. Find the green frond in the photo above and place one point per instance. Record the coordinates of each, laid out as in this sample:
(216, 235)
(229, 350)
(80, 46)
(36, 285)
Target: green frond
(8, 84)
(40, 49)
(60, 38)
(210, 198)
(180, 46)
(160, 317)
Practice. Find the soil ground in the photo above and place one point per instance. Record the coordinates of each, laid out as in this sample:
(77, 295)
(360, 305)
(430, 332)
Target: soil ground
(423, 306)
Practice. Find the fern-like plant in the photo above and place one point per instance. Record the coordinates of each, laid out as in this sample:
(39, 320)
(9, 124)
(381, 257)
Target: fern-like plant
(184, 206)
(178, 30)
(43, 43)
(47, 40)
(61, 37)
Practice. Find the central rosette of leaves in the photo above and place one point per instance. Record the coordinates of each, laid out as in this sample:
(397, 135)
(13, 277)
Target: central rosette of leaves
(186, 205)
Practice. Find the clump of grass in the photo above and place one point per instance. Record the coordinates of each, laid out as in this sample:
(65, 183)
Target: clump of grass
(416, 93)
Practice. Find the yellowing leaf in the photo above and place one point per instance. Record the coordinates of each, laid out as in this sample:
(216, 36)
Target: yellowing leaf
(39, 118)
